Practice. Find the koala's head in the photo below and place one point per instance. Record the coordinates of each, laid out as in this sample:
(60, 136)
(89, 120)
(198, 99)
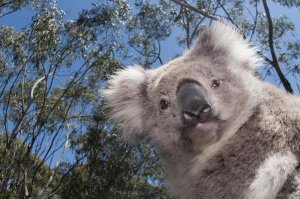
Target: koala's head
(192, 100)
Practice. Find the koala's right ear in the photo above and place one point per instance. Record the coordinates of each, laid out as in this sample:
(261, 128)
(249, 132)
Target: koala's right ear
(125, 97)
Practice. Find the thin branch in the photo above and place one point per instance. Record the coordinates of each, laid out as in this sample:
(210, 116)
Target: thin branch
(35, 85)
(196, 28)
(255, 21)
(275, 63)
(227, 14)
(25, 184)
(7, 13)
(66, 146)
(192, 8)
(159, 52)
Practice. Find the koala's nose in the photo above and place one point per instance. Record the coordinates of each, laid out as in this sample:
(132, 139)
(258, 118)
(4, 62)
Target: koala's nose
(203, 114)
(195, 108)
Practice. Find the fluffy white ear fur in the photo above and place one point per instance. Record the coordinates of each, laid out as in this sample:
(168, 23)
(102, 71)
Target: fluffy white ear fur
(125, 93)
(227, 38)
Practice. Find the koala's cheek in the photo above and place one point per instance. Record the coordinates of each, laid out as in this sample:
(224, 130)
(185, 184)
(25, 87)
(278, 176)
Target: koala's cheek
(221, 111)
(217, 108)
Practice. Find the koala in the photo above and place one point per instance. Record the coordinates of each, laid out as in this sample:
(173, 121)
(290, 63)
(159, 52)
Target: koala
(219, 130)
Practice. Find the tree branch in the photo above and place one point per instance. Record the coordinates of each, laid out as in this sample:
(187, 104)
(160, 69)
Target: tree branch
(53, 172)
(25, 184)
(226, 12)
(192, 8)
(254, 20)
(274, 62)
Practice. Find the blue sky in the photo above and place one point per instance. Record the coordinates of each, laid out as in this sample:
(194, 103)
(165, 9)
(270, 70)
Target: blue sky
(169, 47)
(22, 18)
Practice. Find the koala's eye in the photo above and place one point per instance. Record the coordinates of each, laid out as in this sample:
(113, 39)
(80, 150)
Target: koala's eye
(215, 83)
(164, 104)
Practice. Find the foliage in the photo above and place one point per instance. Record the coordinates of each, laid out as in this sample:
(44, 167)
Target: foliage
(113, 169)
(147, 28)
(55, 139)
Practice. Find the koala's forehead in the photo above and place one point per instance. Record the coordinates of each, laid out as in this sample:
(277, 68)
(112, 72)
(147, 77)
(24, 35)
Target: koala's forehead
(201, 70)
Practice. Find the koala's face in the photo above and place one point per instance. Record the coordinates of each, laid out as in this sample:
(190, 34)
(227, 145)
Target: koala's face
(189, 102)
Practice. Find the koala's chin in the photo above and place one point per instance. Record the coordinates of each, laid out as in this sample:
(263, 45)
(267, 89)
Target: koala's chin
(202, 134)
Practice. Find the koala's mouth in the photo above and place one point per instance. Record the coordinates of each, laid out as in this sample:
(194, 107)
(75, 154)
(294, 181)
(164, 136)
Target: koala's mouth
(205, 126)
(203, 121)
(206, 122)
(202, 127)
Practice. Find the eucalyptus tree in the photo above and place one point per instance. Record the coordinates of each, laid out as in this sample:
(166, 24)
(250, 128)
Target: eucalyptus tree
(48, 87)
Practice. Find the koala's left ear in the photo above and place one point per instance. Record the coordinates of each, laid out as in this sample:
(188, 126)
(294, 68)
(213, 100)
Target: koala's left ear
(226, 40)
(125, 96)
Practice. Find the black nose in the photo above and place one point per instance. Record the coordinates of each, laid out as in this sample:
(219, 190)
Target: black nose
(195, 107)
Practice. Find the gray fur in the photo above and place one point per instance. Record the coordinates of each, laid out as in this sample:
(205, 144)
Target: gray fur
(253, 121)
